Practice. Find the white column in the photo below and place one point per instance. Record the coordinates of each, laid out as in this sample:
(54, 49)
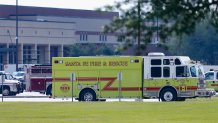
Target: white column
(7, 56)
(47, 54)
(20, 54)
(34, 54)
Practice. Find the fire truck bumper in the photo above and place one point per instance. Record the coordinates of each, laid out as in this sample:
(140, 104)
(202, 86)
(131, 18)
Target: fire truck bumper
(205, 92)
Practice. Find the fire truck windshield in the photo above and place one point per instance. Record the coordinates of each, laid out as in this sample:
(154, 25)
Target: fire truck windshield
(193, 71)
(200, 71)
(197, 71)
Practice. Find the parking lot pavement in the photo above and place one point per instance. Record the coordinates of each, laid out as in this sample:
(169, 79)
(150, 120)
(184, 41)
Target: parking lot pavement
(31, 94)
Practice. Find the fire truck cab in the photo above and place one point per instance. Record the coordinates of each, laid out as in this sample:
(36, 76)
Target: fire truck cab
(176, 77)
(211, 78)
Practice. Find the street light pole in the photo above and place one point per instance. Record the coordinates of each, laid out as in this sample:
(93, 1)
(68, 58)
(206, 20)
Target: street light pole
(16, 52)
(139, 27)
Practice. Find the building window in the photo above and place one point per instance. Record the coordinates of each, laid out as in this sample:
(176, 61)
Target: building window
(38, 54)
(103, 38)
(1, 58)
(53, 52)
(12, 55)
(1, 61)
(66, 51)
(27, 54)
(83, 37)
(154, 39)
(120, 38)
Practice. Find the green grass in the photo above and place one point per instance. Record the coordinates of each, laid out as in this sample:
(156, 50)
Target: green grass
(191, 111)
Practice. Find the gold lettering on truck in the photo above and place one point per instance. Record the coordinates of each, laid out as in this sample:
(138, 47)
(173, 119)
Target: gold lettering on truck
(72, 63)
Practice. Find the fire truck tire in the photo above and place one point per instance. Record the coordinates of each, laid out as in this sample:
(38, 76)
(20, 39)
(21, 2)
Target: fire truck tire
(87, 95)
(168, 94)
(49, 90)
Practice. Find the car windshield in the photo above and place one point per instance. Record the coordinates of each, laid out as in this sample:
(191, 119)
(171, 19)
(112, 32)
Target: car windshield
(2, 72)
(8, 76)
(201, 71)
(19, 74)
(209, 76)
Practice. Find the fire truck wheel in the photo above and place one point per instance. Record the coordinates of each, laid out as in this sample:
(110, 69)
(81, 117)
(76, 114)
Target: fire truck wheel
(87, 95)
(168, 94)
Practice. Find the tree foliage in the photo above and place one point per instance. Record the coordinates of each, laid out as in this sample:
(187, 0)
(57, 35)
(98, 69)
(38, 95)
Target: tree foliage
(90, 49)
(201, 45)
(175, 17)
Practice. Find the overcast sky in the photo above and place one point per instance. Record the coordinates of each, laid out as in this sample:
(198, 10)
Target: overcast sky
(72, 4)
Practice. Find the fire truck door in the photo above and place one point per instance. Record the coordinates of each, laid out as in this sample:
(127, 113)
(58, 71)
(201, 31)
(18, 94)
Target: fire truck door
(181, 77)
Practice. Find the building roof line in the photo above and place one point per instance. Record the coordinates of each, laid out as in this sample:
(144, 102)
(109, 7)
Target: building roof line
(7, 10)
(36, 20)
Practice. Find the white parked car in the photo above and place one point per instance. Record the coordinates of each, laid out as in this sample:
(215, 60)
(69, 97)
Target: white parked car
(19, 75)
(10, 85)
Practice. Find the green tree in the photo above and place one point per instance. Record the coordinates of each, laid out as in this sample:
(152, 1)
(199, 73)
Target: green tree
(201, 45)
(90, 49)
(176, 17)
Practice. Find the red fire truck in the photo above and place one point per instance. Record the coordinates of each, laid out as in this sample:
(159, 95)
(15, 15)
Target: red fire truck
(38, 78)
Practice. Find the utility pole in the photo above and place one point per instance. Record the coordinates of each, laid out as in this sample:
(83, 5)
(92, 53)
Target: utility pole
(16, 52)
(139, 27)
(157, 41)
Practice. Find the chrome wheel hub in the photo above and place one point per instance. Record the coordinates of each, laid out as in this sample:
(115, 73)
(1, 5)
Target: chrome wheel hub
(168, 96)
(88, 97)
